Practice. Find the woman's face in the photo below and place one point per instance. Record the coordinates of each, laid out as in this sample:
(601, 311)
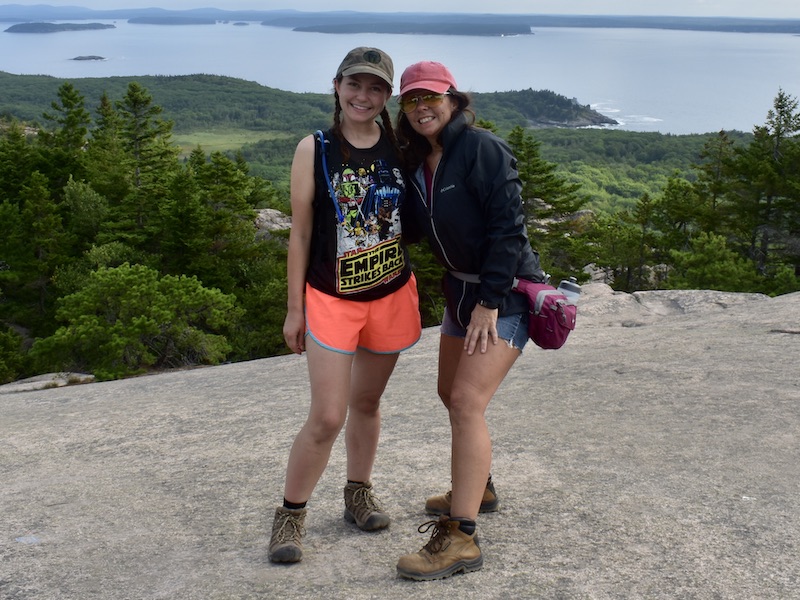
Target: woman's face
(431, 114)
(362, 96)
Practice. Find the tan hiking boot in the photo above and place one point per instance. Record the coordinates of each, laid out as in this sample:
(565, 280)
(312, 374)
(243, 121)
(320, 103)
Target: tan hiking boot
(288, 530)
(362, 507)
(440, 505)
(448, 552)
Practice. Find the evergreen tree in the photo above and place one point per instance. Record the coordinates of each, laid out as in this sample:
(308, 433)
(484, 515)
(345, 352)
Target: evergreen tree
(11, 355)
(214, 199)
(552, 206)
(84, 212)
(715, 175)
(13, 257)
(17, 161)
(708, 264)
(642, 217)
(614, 240)
(146, 140)
(185, 220)
(40, 243)
(64, 143)
(767, 188)
(109, 168)
(676, 214)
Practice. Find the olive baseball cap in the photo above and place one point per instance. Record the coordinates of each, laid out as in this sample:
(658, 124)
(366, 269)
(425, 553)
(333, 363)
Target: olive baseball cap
(367, 60)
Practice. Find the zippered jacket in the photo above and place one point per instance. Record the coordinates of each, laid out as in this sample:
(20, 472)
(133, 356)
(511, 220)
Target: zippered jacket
(474, 221)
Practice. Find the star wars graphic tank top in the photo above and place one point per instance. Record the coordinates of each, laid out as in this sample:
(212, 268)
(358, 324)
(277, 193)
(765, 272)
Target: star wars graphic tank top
(355, 248)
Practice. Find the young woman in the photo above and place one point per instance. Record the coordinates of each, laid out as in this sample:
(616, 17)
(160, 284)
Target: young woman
(465, 197)
(352, 299)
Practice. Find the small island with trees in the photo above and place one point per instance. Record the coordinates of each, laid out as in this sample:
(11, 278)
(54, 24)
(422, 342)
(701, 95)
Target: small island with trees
(56, 27)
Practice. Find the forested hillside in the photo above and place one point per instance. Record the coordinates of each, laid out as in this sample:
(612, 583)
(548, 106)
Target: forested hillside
(122, 251)
(223, 105)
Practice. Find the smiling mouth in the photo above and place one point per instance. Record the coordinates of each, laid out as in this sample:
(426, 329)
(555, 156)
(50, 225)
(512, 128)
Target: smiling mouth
(424, 120)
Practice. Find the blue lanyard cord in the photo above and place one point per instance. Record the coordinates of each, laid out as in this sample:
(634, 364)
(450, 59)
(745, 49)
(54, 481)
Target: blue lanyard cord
(339, 214)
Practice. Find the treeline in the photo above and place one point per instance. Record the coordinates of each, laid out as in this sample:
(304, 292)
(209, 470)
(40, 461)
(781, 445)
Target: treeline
(203, 102)
(615, 168)
(194, 102)
(119, 255)
(734, 225)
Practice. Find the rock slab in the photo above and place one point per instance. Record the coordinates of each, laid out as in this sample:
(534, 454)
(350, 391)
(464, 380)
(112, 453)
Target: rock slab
(654, 456)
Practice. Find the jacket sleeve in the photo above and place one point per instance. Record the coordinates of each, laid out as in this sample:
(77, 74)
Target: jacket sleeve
(495, 182)
(411, 214)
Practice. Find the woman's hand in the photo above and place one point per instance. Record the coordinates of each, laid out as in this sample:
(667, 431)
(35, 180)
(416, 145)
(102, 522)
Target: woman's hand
(294, 331)
(482, 326)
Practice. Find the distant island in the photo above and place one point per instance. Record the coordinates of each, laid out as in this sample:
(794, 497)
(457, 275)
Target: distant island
(56, 27)
(349, 22)
(422, 28)
(171, 20)
(89, 57)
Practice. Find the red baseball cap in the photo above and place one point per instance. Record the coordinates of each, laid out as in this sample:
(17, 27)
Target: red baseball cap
(427, 75)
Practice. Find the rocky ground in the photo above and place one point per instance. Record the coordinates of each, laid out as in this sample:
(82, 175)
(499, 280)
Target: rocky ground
(655, 456)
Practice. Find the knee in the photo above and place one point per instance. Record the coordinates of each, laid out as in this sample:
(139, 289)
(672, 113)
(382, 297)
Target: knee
(366, 407)
(463, 408)
(326, 426)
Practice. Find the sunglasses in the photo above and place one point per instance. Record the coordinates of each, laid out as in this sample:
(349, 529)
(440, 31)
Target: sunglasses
(409, 105)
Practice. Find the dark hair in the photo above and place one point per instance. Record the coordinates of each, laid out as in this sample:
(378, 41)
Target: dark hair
(416, 147)
(386, 119)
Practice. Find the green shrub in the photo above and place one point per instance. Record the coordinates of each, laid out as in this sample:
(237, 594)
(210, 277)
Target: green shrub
(127, 320)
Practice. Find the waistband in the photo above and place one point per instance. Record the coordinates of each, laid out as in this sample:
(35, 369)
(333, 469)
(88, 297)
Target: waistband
(475, 278)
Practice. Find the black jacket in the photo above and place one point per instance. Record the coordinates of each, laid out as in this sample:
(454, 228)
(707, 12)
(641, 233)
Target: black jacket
(474, 220)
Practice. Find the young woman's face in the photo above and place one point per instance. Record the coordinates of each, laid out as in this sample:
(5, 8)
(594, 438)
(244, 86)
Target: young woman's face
(431, 114)
(362, 96)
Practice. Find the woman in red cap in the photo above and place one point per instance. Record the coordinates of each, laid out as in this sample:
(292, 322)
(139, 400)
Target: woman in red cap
(352, 299)
(464, 196)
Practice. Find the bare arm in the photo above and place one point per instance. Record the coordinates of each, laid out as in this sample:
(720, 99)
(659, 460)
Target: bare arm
(302, 196)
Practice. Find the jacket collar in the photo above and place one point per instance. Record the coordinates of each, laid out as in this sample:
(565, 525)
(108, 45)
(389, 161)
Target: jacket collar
(453, 129)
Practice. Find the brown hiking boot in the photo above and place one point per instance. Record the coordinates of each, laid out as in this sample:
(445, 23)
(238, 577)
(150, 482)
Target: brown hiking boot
(285, 546)
(362, 507)
(440, 505)
(448, 552)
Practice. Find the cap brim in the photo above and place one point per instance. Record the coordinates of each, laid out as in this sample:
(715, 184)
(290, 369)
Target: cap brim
(437, 87)
(370, 71)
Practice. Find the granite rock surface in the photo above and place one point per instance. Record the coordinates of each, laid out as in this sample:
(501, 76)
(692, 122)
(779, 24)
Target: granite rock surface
(654, 456)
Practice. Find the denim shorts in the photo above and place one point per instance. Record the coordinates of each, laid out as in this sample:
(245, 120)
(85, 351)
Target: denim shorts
(511, 328)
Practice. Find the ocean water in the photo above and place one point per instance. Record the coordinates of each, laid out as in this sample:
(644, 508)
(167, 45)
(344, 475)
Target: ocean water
(649, 80)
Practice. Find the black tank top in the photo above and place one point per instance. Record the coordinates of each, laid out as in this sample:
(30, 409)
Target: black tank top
(356, 251)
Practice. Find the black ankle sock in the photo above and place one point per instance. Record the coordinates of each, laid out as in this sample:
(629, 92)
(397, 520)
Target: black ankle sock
(292, 505)
(355, 482)
(467, 526)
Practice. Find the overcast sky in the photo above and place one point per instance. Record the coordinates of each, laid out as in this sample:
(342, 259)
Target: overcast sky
(787, 9)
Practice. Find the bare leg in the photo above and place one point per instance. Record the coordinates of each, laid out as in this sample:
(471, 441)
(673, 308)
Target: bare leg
(370, 374)
(469, 383)
(329, 373)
